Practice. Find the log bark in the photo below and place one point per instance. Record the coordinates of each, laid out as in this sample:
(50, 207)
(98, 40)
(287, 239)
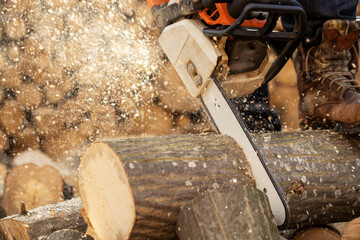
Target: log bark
(68, 234)
(237, 212)
(318, 171)
(40, 222)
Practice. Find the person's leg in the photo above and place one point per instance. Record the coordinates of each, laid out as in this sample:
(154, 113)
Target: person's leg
(326, 62)
(318, 12)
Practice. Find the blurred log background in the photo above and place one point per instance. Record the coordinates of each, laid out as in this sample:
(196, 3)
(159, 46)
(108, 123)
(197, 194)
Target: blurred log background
(77, 71)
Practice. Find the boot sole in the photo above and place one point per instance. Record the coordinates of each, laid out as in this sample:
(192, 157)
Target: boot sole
(347, 128)
(312, 123)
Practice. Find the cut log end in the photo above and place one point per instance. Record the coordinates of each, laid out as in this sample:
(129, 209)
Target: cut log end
(352, 230)
(31, 186)
(105, 193)
(315, 233)
(11, 229)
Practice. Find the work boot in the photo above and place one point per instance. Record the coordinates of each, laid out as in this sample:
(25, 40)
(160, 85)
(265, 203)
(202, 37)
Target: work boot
(329, 94)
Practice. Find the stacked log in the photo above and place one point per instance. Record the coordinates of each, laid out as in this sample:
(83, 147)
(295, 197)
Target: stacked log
(77, 71)
(28, 186)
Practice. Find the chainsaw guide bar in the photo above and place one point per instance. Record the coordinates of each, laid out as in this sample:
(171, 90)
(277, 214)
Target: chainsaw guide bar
(200, 56)
(228, 121)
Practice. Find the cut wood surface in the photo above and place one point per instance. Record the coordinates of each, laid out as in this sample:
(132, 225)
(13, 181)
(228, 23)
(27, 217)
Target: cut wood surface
(238, 212)
(3, 172)
(31, 186)
(317, 233)
(25, 139)
(11, 230)
(12, 118)
(352, 230)
(318, 172)
(43, 221)
(105, 193)
(4, 141)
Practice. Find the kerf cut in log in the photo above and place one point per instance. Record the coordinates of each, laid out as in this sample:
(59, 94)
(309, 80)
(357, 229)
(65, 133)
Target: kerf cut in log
(105, 193)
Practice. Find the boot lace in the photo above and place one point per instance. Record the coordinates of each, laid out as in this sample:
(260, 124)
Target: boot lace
(344, 80)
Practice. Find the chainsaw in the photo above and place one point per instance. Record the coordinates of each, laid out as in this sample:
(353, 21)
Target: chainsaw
(223, 49)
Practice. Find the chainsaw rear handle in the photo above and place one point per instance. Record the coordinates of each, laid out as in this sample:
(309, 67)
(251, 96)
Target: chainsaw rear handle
(274, 8)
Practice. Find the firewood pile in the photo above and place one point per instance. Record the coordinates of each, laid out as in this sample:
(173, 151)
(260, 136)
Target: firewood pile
(73, 71)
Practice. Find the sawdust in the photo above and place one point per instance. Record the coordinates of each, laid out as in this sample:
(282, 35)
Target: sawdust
(93, 66)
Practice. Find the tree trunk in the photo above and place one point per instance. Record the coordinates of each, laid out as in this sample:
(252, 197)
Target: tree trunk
(166, 172)
(237, 212)
(318, 171)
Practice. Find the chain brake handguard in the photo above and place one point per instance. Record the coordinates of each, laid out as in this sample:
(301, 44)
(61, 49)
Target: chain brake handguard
(275, 9)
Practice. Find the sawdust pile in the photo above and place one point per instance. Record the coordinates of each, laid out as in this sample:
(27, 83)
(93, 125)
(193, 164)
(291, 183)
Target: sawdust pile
(74, 71)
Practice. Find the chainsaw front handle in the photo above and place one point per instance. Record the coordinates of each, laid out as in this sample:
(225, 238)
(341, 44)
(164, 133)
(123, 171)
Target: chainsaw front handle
(275, 9)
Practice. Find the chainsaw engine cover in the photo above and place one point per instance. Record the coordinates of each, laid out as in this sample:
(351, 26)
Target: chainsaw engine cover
(241, 84)
(193, 55)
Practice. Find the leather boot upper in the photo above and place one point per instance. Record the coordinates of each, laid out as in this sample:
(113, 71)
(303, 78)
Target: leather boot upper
(327, 87)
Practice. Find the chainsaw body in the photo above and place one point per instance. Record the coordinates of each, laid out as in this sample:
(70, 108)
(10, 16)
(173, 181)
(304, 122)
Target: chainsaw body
(223, 49)
(252, 53)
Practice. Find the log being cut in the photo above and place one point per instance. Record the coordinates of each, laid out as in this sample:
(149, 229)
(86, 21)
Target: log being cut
(168, 171)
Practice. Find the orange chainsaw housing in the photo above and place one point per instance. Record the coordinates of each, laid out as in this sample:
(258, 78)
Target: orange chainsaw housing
(152, 3)
(221, 17)
(218, 17)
